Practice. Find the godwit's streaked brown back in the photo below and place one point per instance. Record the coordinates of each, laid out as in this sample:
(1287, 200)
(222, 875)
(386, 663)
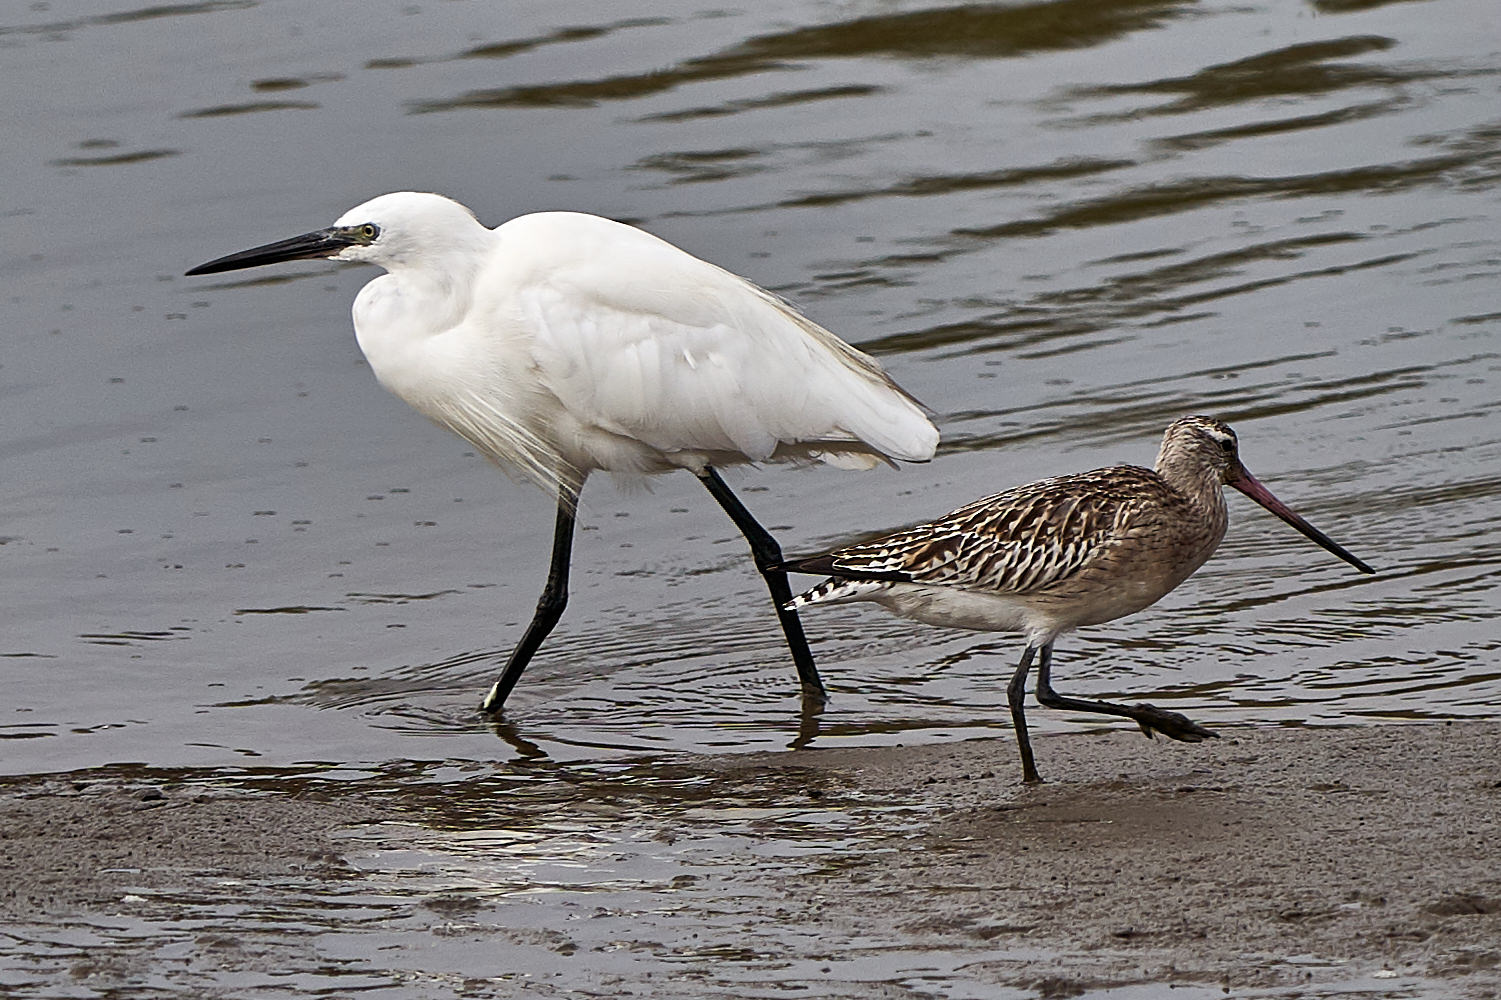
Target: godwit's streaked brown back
(1050, 556)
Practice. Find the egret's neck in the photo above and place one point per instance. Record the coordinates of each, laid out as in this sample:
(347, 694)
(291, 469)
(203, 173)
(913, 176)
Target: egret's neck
(421, 294)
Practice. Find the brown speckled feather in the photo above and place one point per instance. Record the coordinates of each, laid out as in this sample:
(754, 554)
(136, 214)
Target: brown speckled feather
(1052, 556)
(1021, 541)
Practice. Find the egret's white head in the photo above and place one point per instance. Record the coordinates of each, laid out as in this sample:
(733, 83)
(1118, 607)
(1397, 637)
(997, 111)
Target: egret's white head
(404, 228)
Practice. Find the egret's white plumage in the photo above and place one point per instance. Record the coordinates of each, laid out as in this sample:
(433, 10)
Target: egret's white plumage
(561, 343)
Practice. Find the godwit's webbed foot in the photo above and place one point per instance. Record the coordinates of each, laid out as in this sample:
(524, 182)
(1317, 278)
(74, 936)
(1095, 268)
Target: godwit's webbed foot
(1150, 718)
(1153, 720)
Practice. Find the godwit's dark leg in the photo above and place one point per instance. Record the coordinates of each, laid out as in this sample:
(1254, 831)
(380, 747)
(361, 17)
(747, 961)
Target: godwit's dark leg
(1149, 717)
(1016, 694)
(549, 606)
(768, 556)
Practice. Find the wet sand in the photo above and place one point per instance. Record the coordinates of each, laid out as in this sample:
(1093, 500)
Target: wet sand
(1352, 851)
(1341, 862)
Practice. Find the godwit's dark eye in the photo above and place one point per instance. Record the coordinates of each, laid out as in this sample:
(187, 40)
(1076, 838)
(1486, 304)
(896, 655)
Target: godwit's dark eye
(1227, 445)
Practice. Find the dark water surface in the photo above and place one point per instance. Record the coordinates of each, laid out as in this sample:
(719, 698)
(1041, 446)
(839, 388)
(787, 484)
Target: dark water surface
(1061, 224)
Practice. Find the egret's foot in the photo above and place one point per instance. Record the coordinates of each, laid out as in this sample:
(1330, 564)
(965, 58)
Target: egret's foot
(1154, 720)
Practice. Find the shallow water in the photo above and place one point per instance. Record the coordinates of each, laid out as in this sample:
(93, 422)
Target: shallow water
(1060, 224)
(645, 878)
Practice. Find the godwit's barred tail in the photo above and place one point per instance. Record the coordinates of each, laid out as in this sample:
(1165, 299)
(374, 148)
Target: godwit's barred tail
(1048, 557)
(561, 343)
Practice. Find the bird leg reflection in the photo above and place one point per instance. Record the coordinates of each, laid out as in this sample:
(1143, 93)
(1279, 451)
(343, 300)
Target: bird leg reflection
(768, 556)
(549, 606)
(525, 749)
(1150, 718)
(807, 723)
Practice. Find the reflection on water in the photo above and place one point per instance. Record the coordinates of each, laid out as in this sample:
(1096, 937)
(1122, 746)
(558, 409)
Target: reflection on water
(1061, 225)
(972, 32)
(668, 877)
(249, 108)
(494, 876)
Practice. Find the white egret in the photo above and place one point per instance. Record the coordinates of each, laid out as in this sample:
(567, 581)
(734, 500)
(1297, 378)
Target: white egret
(561, 343)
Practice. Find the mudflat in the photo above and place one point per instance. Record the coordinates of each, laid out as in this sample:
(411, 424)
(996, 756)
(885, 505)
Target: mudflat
(1254, 861)
(1288, 862)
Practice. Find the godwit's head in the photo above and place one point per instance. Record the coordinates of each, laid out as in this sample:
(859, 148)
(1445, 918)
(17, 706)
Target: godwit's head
(1199, 454)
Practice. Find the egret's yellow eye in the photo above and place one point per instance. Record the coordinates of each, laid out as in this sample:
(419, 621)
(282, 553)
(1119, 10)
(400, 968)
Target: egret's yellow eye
(369, 231)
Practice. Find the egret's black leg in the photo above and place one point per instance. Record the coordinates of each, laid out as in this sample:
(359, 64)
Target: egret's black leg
(1149, 717)
(549, 606)
(1016, 693)
(768, 556)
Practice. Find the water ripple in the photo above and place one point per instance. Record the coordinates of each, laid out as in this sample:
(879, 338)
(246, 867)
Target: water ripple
(970, 31)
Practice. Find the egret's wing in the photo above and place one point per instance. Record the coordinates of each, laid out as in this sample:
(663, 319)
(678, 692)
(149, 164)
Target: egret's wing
(1020, 541)
(639, 338)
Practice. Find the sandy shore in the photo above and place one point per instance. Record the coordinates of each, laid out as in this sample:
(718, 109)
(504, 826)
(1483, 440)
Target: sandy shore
(1378, 849)
(1271, 859)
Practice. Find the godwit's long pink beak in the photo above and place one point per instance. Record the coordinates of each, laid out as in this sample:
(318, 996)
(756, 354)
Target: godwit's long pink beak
(1248, 484)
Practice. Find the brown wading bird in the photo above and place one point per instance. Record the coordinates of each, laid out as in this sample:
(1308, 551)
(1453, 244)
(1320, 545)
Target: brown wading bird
(1045, 558)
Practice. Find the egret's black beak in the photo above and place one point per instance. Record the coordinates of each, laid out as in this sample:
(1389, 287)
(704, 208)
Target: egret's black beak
(322, 243)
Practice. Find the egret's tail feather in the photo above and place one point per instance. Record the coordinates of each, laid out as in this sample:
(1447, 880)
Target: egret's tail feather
(837, 591)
